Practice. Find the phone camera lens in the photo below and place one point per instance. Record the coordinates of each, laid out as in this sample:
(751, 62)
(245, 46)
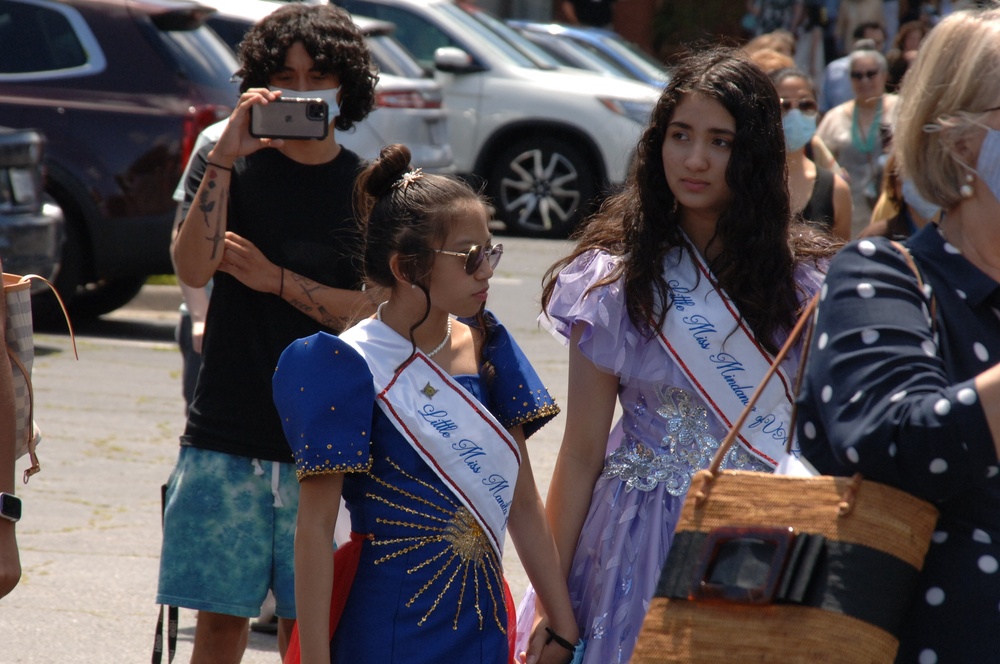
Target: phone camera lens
(315, 111)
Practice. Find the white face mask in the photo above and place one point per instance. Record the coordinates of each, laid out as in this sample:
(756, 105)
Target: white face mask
(988, 165)
(915, 200)
(799, 129)
(329, 96)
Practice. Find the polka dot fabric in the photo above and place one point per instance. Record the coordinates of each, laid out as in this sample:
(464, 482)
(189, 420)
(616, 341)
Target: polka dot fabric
(889, 393)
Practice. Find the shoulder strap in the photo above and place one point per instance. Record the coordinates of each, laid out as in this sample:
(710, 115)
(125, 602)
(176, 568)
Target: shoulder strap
(908, 257)
(790, 342)
(793, 337)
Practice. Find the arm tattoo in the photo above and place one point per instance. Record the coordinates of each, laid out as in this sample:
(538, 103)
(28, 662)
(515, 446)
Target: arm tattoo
(207, 207)
(314, 309)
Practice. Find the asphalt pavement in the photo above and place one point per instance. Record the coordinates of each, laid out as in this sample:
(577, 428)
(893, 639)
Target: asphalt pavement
(90, 536)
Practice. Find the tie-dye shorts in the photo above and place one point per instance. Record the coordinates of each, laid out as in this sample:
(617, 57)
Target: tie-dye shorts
(225, 539)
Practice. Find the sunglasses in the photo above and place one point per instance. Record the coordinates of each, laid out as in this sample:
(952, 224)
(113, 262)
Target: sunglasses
(859, 75)
(475, 255)
(806, 106)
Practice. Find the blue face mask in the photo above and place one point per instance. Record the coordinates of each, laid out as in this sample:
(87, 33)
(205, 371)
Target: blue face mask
(988, 164)
(798, 128)
(329, 96)
(920, 205)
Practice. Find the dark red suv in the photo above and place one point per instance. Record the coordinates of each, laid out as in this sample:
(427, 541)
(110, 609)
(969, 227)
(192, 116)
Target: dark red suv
(121, 89)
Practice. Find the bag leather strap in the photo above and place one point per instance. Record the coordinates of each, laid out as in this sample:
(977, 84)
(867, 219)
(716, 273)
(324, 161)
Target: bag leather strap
(804, 318)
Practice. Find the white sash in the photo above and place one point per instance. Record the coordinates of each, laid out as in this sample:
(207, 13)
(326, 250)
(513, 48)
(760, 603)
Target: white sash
(455, 434)
(722, 364)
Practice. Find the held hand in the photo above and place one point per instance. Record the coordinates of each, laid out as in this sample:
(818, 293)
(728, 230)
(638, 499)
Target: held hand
(236, 140)
(243, 260)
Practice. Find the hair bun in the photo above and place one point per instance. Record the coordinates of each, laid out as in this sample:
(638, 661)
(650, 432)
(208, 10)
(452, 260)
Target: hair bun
(393, 161)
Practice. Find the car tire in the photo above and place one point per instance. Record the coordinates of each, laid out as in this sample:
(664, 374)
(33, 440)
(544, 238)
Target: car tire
(103, 297)
(541, 187)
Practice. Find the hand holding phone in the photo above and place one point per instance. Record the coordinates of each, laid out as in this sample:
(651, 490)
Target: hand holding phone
(295, 118)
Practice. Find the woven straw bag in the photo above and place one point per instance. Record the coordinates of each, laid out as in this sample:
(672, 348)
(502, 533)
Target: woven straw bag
(774, 568)
(19, 335)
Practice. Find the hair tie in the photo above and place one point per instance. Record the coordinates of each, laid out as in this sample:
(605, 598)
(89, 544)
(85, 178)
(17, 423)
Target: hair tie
(408, 178)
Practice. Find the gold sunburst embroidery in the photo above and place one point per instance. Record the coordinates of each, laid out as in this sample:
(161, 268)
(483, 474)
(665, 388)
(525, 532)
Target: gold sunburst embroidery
(468, 555)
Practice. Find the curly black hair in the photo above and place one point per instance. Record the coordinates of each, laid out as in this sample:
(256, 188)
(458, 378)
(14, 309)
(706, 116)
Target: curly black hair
(755, 244)
(332, 40)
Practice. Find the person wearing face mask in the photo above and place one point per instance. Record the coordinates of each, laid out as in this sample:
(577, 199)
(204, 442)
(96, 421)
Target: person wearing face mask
(271, 224)
(902, 382)
(859, 132)
(901, 210)
(817, 194)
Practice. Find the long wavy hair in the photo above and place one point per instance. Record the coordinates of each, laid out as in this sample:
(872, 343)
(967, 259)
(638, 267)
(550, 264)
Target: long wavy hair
(410, 213)
(754, 244)
(331, 39)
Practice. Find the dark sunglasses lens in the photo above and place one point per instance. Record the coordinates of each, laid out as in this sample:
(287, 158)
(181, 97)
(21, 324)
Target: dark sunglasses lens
(808, 107)
(474, 259)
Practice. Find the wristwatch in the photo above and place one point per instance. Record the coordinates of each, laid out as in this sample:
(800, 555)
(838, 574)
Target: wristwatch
(10, 507)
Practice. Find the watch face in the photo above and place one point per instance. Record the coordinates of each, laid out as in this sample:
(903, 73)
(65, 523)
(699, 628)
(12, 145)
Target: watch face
(10, 506)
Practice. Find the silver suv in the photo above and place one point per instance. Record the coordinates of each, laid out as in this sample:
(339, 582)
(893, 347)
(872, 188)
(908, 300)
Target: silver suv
(547, 141)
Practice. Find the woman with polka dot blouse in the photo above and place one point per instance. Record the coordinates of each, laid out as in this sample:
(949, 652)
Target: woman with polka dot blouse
(902, 383)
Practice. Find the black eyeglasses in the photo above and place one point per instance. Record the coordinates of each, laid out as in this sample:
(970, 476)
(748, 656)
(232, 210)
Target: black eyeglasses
(475, 255)
(806, 106)
(871, 73)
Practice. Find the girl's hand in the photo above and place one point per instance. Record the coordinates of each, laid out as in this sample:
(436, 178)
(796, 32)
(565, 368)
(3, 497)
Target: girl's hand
(540, 652)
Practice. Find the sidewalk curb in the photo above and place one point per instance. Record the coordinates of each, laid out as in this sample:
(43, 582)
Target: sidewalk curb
(157, 298)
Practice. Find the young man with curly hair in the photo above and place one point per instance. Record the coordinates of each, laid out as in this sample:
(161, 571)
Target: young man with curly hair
(272, 225)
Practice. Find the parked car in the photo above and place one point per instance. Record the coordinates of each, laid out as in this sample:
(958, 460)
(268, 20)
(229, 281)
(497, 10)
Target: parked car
(597, 49)
(409, 104)
(121, 89)
(546, 141)
(30, 227)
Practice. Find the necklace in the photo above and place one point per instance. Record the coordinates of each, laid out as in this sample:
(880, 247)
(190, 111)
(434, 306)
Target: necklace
(866, 145)
(440, 346)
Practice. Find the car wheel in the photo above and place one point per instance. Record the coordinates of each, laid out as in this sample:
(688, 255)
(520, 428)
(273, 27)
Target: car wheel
(102, 297)
(541, 187)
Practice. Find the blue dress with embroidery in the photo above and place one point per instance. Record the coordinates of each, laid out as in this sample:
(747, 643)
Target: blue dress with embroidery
(429, 587)
(664, 436)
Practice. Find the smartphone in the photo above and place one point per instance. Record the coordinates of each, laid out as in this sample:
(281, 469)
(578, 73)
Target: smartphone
(290, 117)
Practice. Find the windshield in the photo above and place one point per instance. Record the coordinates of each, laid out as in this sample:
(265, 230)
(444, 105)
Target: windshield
(202, 56)
(393, 58)
(572, 54)
(638, 58)
(508, 35)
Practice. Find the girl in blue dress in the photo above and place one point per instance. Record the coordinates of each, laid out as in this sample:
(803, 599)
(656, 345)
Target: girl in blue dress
(418, 420)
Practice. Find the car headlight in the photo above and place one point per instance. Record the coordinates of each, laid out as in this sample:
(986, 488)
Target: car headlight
(637, 111)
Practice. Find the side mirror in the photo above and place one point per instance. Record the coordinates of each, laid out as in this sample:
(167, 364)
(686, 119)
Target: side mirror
(455, 61)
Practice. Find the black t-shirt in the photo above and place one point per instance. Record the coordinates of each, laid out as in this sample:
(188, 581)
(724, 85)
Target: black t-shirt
(301, 217)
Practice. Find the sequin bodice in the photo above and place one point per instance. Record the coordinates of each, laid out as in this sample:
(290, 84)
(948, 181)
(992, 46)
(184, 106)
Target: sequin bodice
(681, 439)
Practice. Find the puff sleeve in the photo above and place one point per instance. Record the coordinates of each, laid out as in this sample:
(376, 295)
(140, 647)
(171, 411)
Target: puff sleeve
(324, 394)
(517, 394)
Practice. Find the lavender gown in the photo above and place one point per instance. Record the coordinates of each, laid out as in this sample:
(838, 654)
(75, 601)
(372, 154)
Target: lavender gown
(664, 436)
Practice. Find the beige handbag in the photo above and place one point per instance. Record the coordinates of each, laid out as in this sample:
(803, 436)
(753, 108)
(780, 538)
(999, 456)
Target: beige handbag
(19, 334)
(775, 568)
